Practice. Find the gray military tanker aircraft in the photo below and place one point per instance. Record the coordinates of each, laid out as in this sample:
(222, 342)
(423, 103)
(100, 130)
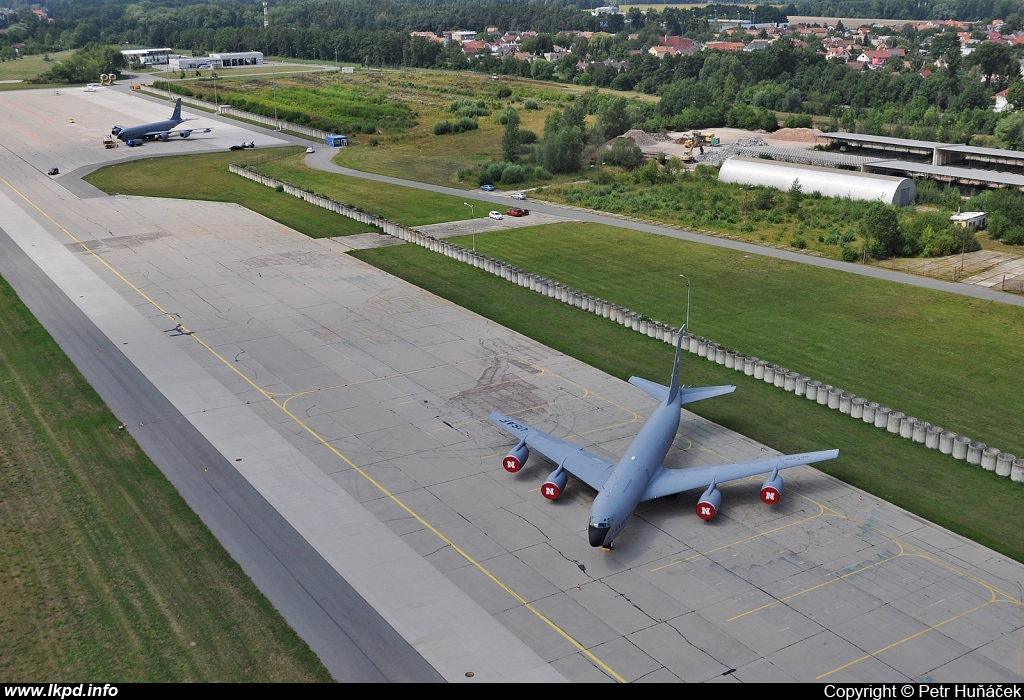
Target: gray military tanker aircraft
(161, 131)
(640, 474)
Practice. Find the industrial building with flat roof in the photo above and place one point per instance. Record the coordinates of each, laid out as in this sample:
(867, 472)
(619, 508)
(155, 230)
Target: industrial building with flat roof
(147, 57)
(216, 61)
(953, 163)
(827, 181)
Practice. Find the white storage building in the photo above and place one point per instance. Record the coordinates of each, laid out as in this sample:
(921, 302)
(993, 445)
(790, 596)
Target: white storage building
(193, 63)
(827, 181)
(241, 58)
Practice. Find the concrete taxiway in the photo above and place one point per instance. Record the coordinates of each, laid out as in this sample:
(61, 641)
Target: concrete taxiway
(354, 405)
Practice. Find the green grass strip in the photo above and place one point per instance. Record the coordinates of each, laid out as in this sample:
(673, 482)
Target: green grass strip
(106, 574)
(206, 177)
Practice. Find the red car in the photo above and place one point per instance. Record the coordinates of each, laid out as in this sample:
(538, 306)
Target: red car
(516, 211)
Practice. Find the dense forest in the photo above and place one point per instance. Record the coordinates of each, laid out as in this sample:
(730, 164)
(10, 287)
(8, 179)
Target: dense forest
(932, 93)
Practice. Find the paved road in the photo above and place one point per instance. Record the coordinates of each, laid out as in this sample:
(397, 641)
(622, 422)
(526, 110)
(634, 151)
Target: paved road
(322, 160)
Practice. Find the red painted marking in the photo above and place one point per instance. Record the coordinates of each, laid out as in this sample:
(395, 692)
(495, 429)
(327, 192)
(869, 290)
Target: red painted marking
(512, 464)
(770, 495)
(550, 491)
(705, 511)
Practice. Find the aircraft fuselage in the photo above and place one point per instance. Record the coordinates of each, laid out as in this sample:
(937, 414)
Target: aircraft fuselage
(628, 481)
(147, 131)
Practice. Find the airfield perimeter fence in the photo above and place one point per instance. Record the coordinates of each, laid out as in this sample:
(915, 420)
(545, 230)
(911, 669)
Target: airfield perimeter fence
(931, 436)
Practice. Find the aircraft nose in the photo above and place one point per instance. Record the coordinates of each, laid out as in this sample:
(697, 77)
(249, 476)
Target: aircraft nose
(597, 535)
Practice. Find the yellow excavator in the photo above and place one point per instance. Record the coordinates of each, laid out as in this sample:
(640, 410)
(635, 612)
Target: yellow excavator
(698, 140)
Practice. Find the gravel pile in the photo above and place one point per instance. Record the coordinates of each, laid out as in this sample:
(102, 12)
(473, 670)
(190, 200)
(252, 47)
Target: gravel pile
(717, 154)
(640, 137)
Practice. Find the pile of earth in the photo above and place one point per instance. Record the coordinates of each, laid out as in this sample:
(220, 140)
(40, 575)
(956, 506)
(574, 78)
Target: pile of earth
(802, 134)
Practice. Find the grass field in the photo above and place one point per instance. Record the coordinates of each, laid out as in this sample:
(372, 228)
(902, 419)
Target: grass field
(418, 154)
(967, 500)
(407, 205)
(30, 66)
(208, 179)
(107, 575)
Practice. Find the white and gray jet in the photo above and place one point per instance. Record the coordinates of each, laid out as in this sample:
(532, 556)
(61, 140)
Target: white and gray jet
(640, 475)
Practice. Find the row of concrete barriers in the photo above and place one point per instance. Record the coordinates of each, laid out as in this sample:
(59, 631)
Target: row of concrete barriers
(895, 422)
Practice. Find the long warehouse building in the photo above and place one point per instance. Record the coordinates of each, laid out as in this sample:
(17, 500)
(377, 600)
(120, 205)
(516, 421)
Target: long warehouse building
(829, 182)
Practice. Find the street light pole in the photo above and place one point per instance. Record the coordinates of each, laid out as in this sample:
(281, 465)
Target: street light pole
(686, 326)
(277, 124)
(472, 211)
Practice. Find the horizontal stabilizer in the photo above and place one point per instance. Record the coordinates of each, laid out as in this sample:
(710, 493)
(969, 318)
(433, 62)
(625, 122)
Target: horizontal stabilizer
(699, 393)
(658, 391)
(688, 395)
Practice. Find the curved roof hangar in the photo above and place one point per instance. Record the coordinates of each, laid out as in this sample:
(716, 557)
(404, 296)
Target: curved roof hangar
(827, 181)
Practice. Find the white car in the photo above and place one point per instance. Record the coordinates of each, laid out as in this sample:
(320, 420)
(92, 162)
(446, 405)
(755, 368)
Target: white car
(518, 195)
(310, 150)
(495, 215)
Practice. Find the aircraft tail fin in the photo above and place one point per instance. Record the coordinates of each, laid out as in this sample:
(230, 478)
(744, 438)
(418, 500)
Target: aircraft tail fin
(673, 391)
(673, 387)
(177, 111)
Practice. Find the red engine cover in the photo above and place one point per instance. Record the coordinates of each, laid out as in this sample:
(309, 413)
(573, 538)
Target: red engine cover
(512, 464)
(550, 490)
(706, 511)
(770, 495)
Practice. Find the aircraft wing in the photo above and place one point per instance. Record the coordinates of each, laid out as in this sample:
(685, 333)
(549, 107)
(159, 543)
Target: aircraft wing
(669, 481)
(585, 466)
(173, 132)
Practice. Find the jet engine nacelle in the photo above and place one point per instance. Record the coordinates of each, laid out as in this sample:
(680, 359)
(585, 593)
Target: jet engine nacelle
(117, 130)
(555, 484)
(710, 501)
(185, 134)
(516, 458)
(163, 136)
(771, 491)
